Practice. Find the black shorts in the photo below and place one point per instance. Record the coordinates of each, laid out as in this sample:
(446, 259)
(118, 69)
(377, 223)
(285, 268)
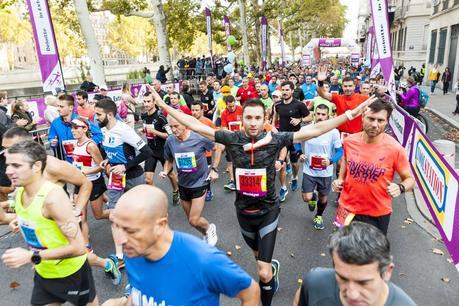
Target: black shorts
(381, 222)
(188, 194)
(294, 154)
(228, 155)
(77, 289)
(311, 183)
(98, 188)
(259, 232)
(150, 163)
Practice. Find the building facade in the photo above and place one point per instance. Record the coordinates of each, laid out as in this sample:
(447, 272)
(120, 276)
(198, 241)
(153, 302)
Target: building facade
(410, 32)
(443, 44)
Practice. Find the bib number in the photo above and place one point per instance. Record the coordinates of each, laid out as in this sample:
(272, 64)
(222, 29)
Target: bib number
(69, 147)
(343, 217)
(235, 126)
(116, 182)
(251, 182)
(29, 233)
(186, 162)
(315, 161)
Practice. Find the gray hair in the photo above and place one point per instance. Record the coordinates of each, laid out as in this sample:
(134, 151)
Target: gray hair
(33, 150)
(361, 244)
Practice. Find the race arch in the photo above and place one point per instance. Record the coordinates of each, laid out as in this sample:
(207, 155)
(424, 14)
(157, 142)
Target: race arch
(311, 51)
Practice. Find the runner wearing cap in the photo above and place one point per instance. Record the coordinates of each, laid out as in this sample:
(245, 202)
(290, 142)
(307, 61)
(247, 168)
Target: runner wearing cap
(221, 105)
(254, 153)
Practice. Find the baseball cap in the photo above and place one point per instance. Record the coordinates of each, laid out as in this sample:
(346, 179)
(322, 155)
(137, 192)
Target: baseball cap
(250, 75)
(226, 90)
(277, 93)
(79, 122)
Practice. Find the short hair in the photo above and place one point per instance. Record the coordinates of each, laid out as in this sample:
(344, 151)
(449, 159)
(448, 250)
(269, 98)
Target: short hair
(175, 94)
(361, 244)
(290, 84)
(197, 103)
(253, 103)
(82, 94)
(68, 99)
(3, 94)
(107, 105)
(229, 99)
(33, 150)
(203, 83)
(323, 106)
(17, 105)
(147, 94)
(17, 132)
(380, 105)
(348, 79)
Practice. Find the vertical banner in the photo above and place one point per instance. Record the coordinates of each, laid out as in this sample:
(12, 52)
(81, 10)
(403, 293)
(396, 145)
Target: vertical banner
(282, 44)
(264, 42)
(306, 60)
(355, 58)
(45, 43)
(227, 26)
(380, 18)
(209, 33)
(369, 46)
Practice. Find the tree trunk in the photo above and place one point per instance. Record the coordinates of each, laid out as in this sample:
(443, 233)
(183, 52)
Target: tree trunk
(292, 48)
(159, 21)
(245, 38)
(96, 65)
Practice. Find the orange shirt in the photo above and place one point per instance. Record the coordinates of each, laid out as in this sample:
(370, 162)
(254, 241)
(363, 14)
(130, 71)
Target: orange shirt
(344, 103)
(209, 123)
(369, 168)
(87, 113)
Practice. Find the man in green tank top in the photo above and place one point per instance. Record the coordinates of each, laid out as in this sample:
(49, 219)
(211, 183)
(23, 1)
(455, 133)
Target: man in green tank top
(46, 221)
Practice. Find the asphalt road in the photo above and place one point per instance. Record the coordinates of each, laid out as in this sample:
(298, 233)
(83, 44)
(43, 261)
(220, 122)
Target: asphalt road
(299, 248)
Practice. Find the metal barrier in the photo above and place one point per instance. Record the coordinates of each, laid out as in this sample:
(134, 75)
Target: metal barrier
(40, 135)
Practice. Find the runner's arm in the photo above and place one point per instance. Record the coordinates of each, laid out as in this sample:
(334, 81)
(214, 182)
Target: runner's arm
(62, 171)
(217, 155)
(122, 301)
(321, 76)
(327, 125)
(6, 218)
(94, 151)
(250, 296)
(189, 121)
(407, 179)
(58, 207)
(168, 166)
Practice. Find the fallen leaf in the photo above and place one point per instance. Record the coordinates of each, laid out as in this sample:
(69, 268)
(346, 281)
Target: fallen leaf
(279, 229)
(238, 247)
(438, 252)
(445, 279)
(229, 253)
(322, 254)
(403, 226)
(450, 260)
(408, 221)
(292, 255)
(14, 284)
(300, 281)
(402, 274)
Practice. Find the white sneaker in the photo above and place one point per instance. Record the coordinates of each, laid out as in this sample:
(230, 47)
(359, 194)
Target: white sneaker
(211, 235)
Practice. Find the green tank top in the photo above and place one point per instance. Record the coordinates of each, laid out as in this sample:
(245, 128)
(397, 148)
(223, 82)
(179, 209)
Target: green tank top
(41, 233)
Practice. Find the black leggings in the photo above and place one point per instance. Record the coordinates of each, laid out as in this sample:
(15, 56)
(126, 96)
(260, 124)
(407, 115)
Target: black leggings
(381, 222)
(259, 232)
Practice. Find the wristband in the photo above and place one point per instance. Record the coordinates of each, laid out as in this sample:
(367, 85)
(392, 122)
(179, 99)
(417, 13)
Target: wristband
(402, 188)
(348, 114)
(281, 161)
(215, 169)
(320, 83)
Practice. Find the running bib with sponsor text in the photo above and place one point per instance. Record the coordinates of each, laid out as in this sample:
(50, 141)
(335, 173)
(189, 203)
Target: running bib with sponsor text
(315, 161)
(69, 147)
(28, 231)
(148, 135)
(116, 181)
(186, 162)
(235, 126)
(343, 217)
(251, 182)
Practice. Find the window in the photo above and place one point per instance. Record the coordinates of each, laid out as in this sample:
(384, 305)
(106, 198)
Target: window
(400, 40)
(425, 37)
(433, 44)
(441, 46)
(404, 39)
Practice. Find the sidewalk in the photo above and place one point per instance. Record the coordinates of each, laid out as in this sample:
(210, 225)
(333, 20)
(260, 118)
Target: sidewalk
(443, 105)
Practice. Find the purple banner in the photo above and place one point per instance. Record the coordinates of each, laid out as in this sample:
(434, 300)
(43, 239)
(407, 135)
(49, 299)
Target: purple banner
(227, 26)
(45, 43)
(329, 42)
(209, 32)
(381, 29)
(282, 44)
(264, 42)
(435, 177)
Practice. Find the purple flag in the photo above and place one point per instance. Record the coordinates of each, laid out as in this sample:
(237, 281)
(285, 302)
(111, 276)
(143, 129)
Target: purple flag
(227, 25)
(209, 33)
(264, 42)
(45, 42)
(382, 37)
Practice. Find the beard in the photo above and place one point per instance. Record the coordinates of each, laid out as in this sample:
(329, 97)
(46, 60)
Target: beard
(104, 122)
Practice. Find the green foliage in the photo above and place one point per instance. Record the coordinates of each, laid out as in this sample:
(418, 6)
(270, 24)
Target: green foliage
(135, 75)
(123, 7)
(12, 29)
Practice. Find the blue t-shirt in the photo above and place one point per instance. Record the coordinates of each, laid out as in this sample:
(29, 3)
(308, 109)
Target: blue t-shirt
(190, 158)
(309, 91)
(191, 273)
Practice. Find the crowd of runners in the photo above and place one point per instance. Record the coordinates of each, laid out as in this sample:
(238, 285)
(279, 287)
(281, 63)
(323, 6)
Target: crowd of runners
(319, 128)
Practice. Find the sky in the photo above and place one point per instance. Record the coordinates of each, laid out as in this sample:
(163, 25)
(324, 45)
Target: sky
(352, 12)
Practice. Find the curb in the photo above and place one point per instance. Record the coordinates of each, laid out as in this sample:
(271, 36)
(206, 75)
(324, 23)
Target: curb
(444, 117)
(417, 209)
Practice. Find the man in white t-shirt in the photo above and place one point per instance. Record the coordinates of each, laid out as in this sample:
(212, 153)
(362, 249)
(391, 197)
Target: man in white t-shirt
(320, 154)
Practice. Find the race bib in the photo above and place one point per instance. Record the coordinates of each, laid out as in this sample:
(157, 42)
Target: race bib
(69, 147)
(186, 162)
(235, 126)
(251, 182)
(116, 181)
(29, 233)
(344, 135)
(81, 161)
(168, 129)
(315, 161)
(205, 107)
(148, 134)
(343, 217)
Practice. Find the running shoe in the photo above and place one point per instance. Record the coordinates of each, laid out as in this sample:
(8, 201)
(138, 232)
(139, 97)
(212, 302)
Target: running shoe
(120, 263)
(289, 168)
(276, 268)
(230, 186)
(294, 184)
(175, 198)
(209, 196)
(127, 290)
(313, 202)
(211, 235)
(112, 269)
(283, 194)
(318, 223)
